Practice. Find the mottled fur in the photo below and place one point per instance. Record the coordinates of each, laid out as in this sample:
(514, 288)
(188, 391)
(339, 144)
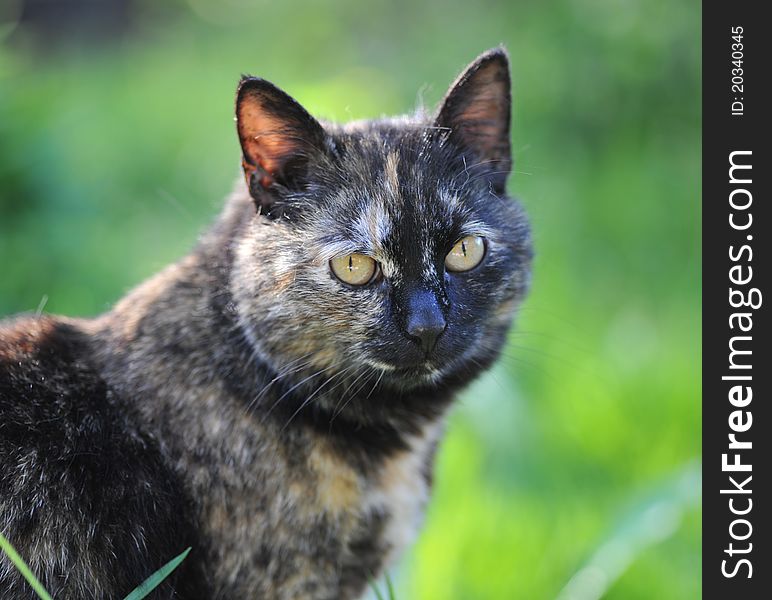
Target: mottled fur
(247, 403)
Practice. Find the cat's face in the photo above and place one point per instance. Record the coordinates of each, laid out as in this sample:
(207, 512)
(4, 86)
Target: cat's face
(383, 248)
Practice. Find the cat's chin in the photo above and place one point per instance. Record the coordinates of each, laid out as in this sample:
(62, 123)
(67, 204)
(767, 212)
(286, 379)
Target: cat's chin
(422, 373)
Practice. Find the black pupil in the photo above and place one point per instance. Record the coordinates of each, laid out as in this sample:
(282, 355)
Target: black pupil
(350, 263)
(463, 248)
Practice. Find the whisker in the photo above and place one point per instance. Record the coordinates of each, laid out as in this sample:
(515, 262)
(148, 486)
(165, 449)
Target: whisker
(540, 353)
(307, 400)
(343, 395)
(353, 394)
(511, 359)
(289, 369)
(342, 381)
(294, 387)
(362, 385)
(377, 381)
(486, 174)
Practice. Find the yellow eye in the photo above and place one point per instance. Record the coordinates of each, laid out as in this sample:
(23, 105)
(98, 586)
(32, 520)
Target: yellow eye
(354, 269)
(466, 254)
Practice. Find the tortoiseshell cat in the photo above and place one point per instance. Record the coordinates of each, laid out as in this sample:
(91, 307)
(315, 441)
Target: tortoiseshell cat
(275, 398)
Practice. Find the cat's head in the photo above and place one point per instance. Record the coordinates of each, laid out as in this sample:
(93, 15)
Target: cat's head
(382, 250)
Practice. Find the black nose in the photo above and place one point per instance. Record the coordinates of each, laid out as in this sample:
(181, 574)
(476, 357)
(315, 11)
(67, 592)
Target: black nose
(425, 321)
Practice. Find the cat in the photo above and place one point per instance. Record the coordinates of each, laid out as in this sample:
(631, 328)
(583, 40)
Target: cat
(274, 400)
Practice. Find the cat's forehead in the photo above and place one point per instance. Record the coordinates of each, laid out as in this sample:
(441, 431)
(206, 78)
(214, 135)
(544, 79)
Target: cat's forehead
(398, 200)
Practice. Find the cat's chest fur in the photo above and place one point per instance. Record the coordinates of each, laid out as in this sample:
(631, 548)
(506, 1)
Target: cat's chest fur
(290, 506)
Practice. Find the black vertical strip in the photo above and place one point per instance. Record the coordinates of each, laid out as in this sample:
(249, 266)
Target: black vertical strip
(736, 560)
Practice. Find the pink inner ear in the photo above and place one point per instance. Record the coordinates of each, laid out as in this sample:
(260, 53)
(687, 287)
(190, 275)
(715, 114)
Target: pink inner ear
(484, 119)
(484, 115)
(267, 142)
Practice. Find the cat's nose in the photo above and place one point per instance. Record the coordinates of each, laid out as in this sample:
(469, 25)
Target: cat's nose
(425, 321)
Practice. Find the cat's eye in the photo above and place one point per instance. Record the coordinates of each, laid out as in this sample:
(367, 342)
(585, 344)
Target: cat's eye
(354, 269)
(466, 254)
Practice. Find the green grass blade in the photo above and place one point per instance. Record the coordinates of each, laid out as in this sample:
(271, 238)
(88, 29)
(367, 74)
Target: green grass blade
(156, 578)
(19, 563)
(390, 588)
(375, 589)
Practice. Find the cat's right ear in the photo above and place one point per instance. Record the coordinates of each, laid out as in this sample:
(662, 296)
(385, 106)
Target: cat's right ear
(277, 138)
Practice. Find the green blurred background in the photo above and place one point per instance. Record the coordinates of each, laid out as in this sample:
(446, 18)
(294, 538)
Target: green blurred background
(573, 470)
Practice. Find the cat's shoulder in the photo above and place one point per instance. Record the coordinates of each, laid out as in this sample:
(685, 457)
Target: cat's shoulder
(28, 337)
(53, 398)
(77, 468)
(44, 369)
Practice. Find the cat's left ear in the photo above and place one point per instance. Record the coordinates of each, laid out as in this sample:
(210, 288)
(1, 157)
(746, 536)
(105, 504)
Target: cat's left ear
(477, 110)
(277, 137)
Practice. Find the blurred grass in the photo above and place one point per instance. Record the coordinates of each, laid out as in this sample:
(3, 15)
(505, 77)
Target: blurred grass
(114, 157)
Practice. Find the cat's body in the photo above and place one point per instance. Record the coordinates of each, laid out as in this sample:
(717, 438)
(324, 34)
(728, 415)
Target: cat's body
(245, 402)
